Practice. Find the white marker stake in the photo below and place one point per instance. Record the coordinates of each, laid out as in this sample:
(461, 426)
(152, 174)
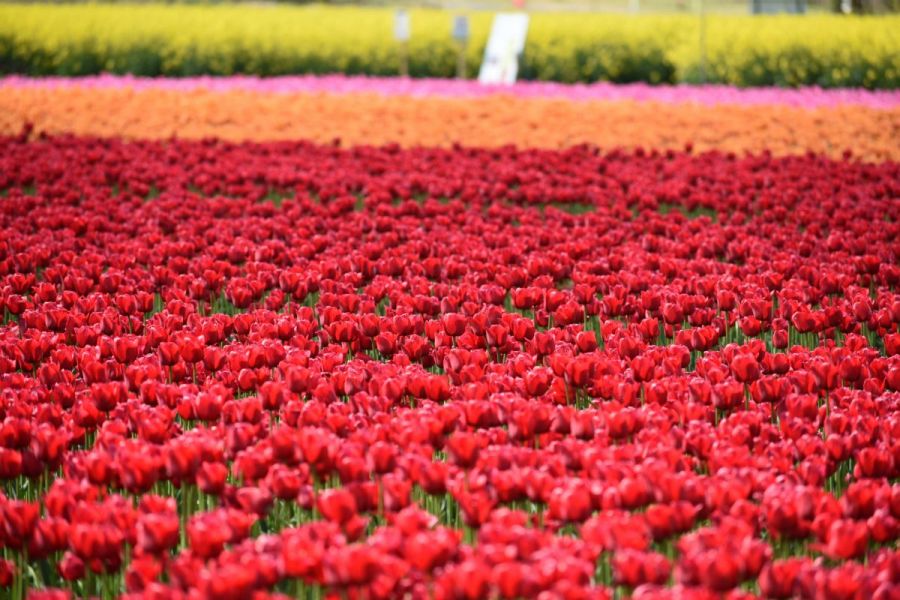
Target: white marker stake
(461, 35)
(504, 47)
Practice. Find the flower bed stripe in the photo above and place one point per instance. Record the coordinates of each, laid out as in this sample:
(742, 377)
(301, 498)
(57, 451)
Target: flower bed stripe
(394, 86)
(235, 371)
(489, 120)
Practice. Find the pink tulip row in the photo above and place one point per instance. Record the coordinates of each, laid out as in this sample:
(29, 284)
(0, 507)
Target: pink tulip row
(339, 84)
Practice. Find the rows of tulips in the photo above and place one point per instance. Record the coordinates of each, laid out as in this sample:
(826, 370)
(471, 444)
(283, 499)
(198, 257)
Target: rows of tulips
(412, 113)
(708, 95)
(259, 370)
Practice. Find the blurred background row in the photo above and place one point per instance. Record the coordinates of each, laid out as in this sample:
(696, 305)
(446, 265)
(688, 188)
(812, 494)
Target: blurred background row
(663, 42)
(621, 6)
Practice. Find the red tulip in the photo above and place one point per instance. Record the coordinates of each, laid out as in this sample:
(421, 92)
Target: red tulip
(633, 568)
(779, 578)
(169, 353)
(337, 506)
(71, 568)
(745, 368)
(463, 449)
(846, 539)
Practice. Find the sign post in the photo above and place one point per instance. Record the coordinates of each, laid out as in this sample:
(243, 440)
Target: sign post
(402, 34)
(504, 48)
(461, 35)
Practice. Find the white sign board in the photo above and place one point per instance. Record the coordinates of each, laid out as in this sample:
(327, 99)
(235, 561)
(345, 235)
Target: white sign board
(461, 28)
(504, 47)
(401, 26)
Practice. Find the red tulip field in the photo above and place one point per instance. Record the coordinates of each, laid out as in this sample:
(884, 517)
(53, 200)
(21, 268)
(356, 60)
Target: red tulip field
(273, 369)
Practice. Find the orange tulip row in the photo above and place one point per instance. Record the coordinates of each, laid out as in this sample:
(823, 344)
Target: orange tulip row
(490, 120)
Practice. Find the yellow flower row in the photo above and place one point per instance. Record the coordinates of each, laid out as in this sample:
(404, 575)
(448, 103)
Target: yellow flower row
(156, 39)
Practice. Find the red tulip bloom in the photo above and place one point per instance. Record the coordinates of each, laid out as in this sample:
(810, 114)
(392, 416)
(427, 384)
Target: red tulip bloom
(745, 368)
(570, 504)
(718, 570)
(7, 573)
(71, 568)
(338, 506)
(779, 578)
(463, 449)
(211, 478)
(207, 535)
(157, 532)
(642, 368)
(18, 521)
(169, 353)
(846, 539)
(633, 568)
